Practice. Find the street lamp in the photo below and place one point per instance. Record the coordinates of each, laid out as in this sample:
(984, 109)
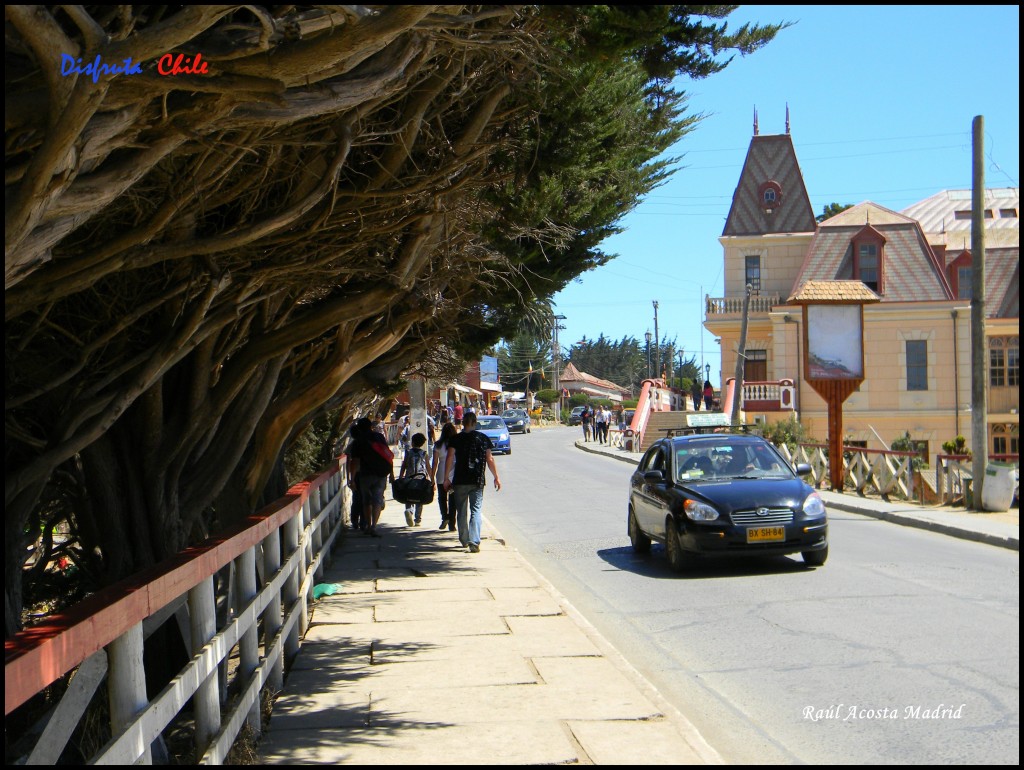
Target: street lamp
(707, 369)
(647, 336)
(680, 369)
(556, 360)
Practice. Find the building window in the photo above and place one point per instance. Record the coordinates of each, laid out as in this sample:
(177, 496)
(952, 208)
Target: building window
(771, 195)
(867, 265)
(755, 367)
(917, 365)
(1004, 362)
(753, 272)
(1007, 213)
(1004, 440)
(963, 282)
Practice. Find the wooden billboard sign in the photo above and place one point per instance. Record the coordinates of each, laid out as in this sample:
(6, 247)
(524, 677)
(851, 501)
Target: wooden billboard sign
(833, 352)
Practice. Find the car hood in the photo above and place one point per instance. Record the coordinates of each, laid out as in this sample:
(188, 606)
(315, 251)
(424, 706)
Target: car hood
(728, 496)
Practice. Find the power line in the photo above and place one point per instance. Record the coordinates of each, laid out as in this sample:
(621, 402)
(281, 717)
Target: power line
(965, 136)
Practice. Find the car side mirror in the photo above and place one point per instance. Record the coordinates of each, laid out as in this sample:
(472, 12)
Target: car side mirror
(803, 469)
(657, 476)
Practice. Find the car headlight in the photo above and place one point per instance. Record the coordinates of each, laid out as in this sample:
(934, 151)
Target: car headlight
(699, 511)
(503, 437)
(814, 507)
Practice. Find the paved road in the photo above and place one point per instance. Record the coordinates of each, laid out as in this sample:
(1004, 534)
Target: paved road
(904, 648)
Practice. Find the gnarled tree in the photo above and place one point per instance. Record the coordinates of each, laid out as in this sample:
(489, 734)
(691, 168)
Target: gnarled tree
(199, 264)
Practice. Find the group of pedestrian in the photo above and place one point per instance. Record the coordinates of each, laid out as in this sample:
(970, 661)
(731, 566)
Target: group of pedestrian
(456, 468)
(595, 422)
(707, 394)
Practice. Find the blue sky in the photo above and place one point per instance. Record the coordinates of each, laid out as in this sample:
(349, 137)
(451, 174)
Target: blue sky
(881, 102)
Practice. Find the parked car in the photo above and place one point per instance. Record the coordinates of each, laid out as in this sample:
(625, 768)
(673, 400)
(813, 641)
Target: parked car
(724, 494)
(495, 429)
(517, 420)
(576, 415)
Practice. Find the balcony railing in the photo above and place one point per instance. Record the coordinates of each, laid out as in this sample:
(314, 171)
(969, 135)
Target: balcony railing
(1003, 400)
(721, 306)
(769, 396)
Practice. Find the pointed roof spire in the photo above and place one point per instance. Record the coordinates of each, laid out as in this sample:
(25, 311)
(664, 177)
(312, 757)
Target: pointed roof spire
(755, 120)
(787, 117)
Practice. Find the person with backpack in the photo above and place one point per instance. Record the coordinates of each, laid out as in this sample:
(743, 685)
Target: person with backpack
(469, 457)
(415, 465)
(373, 466)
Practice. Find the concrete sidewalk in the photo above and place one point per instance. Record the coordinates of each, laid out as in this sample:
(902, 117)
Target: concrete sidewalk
(433, 655)
(999, 529)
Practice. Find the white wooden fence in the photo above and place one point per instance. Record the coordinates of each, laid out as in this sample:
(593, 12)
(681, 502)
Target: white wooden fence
(271, 564)
(884, 472)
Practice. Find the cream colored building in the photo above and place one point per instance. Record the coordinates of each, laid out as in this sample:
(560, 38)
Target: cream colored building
(917, 338)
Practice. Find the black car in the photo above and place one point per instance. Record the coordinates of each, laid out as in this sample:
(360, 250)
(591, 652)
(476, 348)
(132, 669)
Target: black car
(517, 420)
(724, 494)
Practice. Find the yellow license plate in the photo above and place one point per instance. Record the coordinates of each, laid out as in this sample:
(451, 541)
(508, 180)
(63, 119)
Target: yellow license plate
(766, 534)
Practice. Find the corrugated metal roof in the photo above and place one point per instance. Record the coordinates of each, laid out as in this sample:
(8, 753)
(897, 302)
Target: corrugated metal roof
(949, 211)
(770, 158)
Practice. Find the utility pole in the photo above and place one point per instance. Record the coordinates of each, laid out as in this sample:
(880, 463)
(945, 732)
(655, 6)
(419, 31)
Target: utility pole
(737, 385)
(979, 348)
(657, 343)
(556, 357)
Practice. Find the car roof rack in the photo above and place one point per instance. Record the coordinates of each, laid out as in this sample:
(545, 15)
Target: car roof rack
(743, 429)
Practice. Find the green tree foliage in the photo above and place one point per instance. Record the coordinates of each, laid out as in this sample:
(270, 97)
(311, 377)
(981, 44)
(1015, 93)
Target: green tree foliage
(788, 432)
(625, 362)
(200, 268)
(830, 210)
(547, 396)
(517, 356)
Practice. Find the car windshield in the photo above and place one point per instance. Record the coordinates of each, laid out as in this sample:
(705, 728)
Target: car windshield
(510, 414)
(725, 459)
(490, 423)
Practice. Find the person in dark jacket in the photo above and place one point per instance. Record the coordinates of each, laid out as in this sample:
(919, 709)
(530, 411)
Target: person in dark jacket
(373, 466)
(469, 457)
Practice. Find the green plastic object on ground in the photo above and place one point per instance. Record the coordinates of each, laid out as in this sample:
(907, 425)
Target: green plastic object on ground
(326, 589)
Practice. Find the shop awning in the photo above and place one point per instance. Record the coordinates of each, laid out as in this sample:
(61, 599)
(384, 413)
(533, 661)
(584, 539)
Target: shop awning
(465, 389)
(493, 387)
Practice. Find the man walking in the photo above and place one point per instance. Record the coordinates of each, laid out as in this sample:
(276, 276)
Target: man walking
(599, 424)
(469, 455)
(372, 465)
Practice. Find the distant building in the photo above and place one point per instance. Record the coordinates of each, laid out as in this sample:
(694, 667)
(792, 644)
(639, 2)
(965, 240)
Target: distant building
(917, 339)
(574, 381)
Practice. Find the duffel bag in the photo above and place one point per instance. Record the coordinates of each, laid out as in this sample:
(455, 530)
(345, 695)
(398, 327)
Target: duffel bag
(412, 490)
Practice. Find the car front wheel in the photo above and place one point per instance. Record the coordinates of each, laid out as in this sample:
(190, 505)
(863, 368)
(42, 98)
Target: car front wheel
(815, 558)
(641, 543)
(677, 558)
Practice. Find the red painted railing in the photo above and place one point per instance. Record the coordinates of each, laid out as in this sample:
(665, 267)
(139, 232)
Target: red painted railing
(292, 535)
